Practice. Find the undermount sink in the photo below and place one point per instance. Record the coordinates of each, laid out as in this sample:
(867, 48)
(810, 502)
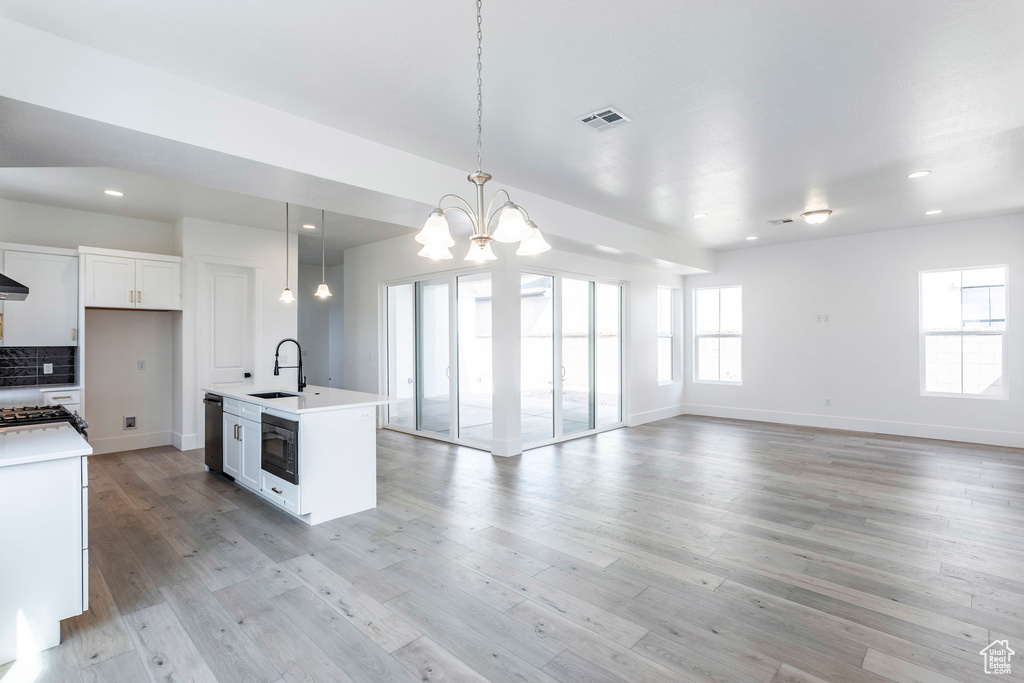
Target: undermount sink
(273, 394)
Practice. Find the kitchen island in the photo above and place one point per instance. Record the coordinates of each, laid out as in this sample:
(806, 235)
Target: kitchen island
(44, 538)
(313, 454)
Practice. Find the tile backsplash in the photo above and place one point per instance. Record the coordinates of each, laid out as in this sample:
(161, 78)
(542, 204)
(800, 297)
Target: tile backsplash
(22, 366)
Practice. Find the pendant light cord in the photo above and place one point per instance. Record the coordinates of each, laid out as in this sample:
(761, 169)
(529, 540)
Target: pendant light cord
(287, 245)
(323, 245)
(479, 87)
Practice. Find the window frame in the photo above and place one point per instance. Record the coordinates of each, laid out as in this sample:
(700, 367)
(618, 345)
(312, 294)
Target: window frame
(923, 336)
(675, 376)
(697, 337)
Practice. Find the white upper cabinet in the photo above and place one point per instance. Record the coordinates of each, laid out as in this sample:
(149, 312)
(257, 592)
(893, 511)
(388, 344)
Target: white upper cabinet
(49, 315)
(109, 281)
(119, 281)
(157, 284)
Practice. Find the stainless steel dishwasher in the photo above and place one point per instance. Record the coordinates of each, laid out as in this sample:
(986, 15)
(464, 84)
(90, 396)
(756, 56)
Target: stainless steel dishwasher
(214, 447)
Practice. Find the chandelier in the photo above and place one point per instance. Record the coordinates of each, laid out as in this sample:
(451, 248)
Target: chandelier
(511, 222)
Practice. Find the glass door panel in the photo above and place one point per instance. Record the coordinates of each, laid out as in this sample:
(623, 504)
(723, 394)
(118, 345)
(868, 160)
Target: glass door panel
(608, 354)
(577, 356)
(474, 357)
(537, 401)
(433, 371)
(402, 355)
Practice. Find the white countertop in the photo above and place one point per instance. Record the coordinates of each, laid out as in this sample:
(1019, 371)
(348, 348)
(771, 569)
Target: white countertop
(21, 445)
(313, 399)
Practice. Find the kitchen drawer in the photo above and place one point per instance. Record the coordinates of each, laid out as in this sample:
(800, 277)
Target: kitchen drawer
(251, 411)
(279, 491)
(232, 406)
(62, 398)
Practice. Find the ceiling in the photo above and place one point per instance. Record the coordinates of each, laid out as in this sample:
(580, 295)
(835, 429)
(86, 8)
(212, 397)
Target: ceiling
(159, 199)
(746, 111)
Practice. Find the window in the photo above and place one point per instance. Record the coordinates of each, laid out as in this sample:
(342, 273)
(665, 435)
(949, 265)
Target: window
(666, 335)
(718, 326)
(963, 331)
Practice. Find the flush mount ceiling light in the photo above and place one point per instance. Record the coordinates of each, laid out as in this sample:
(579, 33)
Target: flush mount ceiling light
(751, 238)
(816, 217)
(309, 226)
(513, 223)
(323, 291)
(918, 174)
(700, 215)
(932, 212)
(286, 295)
(114, 193)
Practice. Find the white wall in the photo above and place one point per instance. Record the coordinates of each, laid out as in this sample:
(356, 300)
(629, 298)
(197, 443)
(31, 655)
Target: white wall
(118, 340)
(50, 226)
(314, 326)
(336, 326)
(263, 250)
(368, 266)
(866, 360)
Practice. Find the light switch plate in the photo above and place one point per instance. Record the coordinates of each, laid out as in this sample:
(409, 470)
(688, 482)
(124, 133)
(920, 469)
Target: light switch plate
(47, 368)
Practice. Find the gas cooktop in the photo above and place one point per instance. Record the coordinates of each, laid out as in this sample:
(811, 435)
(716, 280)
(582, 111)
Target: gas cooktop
(40, 415)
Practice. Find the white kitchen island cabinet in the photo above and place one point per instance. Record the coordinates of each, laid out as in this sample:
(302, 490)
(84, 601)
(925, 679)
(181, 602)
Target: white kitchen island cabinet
(337, 449)
(44, 537)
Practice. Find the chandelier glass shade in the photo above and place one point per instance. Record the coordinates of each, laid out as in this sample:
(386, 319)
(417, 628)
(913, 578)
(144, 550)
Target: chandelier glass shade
(509, 221)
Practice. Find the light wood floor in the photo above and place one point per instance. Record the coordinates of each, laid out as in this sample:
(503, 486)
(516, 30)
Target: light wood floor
(688, 549)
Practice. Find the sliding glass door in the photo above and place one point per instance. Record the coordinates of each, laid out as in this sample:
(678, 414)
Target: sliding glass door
(571, 357)
(439, 357)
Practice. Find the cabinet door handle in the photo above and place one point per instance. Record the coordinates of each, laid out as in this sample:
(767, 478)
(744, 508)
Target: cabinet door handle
(140, 296)
(1, 325)
(60, 398)
(131, 296)
(275, 490)
(74, 334)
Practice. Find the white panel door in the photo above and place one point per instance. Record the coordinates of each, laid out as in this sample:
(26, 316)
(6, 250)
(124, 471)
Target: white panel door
(252, 453)
(109, 281)
(49, 316)
(157, 285)
(229, 324)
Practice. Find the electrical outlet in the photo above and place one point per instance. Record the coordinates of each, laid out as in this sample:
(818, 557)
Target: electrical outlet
(142, 365)
(129, 422)
(828, 403)
(47, 368)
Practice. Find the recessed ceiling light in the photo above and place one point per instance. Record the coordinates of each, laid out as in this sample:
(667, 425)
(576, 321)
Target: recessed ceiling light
(307, 226)
(918, 174)
(700, 215)
(114, 193)
(932, 212)
(816, 217)
(752, 237)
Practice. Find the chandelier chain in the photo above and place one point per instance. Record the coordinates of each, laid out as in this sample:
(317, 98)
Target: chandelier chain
(479, 86)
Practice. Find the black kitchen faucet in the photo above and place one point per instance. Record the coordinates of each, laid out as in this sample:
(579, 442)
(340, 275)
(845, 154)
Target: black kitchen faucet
(277, 366)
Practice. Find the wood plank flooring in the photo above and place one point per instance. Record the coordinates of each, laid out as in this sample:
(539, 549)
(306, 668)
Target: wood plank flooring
(690, 549)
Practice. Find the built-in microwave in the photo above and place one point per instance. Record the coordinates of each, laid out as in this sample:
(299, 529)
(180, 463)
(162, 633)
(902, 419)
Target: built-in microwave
(280, 447)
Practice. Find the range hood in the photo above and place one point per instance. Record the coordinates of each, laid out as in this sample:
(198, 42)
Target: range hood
(11, 290)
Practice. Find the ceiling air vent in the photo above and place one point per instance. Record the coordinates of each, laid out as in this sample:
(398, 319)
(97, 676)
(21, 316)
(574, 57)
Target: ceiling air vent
(781, 221)
(605, 119)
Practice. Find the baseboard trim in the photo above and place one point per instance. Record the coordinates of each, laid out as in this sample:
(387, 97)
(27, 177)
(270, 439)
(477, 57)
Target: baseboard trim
(990, 437)
(637, 419)
(130, 442)
(507, 448)
(185, 442)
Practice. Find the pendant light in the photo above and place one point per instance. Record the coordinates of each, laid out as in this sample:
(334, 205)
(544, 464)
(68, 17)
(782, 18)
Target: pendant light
(513, 224)
(323, 291)
(286, 295)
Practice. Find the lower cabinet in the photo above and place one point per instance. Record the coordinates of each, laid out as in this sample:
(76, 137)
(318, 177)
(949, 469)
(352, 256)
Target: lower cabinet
(284, 493)
(252, 456)
(232, 445)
